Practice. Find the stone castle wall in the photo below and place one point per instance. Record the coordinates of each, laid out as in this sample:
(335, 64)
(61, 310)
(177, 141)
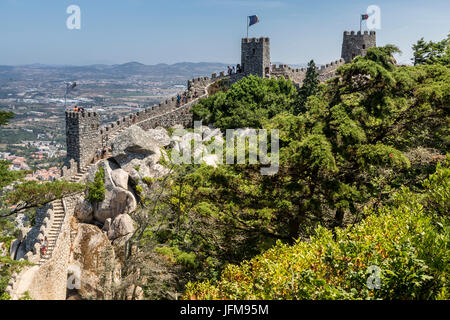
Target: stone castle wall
(356, 44)
(329, 70)
(298, 75)
(255, 56)
(82, 137)
(48, 281)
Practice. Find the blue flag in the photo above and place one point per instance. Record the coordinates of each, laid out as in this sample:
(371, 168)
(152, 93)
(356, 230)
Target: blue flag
(253, 20)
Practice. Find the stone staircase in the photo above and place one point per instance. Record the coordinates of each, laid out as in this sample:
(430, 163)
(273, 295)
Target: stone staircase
(58, 219)
(80, 175)
(58, 208)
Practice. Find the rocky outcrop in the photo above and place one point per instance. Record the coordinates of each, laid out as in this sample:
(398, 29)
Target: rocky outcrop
(118, 200)
(92, 263)
(133, 143)
(17, 249)
(84, 210)
(120, 178)
(121, 226)
(13, 248)
(201, 145)
(160, 135)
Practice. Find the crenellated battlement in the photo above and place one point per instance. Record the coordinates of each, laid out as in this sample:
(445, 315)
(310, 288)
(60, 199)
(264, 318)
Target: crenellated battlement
(81, 114)
(328, 70)
(85, 137)
(359, 33)
(256, 40)
(357, 43)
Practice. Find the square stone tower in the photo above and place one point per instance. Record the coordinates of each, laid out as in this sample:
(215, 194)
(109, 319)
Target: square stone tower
(255, 56)
(357, 44)
(82, 137)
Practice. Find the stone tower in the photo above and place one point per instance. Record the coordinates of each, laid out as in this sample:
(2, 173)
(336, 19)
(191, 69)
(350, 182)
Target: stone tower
(82, 137)
(255, 56)
(357, 44)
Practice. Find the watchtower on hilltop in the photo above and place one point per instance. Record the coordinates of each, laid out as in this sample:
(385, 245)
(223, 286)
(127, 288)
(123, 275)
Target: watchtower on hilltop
(356, 44)
(255, 56)
(82, 137)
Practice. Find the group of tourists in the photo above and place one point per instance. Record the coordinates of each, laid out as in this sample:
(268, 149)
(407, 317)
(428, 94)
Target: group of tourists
(78, 109)
(234, 70)
(185, 97)
(101, 153)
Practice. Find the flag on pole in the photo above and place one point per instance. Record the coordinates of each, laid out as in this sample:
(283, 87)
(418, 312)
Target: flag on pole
(363, 17)
(253, 20)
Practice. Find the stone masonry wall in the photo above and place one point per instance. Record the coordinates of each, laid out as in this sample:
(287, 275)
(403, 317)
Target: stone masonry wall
(255, 56)
(357, 44)
(82, 137)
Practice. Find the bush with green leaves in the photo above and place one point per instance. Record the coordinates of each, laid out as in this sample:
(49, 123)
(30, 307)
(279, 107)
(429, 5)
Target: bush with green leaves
(96, 190)
(407, 240)
(247, 103)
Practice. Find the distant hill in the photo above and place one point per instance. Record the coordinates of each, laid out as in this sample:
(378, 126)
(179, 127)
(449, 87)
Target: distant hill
(182, 70)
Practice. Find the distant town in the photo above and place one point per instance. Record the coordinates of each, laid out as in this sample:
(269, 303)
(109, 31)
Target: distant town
(34, 140)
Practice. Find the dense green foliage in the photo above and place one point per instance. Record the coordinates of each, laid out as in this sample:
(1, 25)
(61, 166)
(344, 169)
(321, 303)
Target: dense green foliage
(31, 194)
(309, 87)
(96, 190)
(373, 130)
(361, 182)
(247, 103)
(432, 52)
(407, 240)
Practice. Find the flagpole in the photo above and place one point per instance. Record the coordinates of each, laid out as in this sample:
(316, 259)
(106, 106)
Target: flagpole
(247, 25)
(360, 23)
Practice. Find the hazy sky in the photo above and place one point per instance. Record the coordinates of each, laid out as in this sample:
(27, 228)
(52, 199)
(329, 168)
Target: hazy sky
(169, 31)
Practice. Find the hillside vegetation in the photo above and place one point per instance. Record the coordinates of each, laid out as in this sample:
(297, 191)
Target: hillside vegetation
(363, 184)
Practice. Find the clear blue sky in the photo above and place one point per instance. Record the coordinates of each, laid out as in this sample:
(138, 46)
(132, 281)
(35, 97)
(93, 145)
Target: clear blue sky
(169, 31)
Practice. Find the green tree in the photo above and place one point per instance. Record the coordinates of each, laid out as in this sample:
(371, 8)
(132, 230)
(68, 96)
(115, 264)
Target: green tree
(247, 103)
(406, 240)
(309, 87)
(32, 194)
(96, 190)
(432, 52)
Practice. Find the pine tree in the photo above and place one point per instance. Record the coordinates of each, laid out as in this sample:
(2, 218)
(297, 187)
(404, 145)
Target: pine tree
(432, 52)
(309, 87)
(96, 190)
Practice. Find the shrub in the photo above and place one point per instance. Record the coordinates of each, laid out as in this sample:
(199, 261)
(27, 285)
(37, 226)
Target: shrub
(407, 241)
(96, 190)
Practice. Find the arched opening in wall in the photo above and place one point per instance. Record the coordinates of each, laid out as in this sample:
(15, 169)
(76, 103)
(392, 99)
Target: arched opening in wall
(267, 71)
(253, 51)
(364, 46)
